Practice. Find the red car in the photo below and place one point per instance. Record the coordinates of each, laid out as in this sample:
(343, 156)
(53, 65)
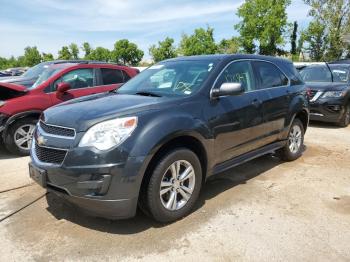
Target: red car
(20, 107)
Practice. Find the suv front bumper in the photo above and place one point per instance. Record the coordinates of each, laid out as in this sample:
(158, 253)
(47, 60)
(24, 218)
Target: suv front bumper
(327, 111)
(107, 190)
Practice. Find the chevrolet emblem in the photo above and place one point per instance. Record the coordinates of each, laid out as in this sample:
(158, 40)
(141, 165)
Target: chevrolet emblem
(41, 141)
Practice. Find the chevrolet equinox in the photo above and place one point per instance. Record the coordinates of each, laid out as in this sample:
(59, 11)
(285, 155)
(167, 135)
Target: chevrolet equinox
(154, 142)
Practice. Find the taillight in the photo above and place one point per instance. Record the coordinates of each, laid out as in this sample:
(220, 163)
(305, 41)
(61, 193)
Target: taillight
(308, 92)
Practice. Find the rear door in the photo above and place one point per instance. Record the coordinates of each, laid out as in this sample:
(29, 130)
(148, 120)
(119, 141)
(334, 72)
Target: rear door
(110, 79)
(274, 83)
(236, 121)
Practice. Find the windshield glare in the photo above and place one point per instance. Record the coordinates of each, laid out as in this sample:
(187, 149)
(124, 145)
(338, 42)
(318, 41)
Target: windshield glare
(177, 78)
(46, 74)
(35, 71)
(322, 74)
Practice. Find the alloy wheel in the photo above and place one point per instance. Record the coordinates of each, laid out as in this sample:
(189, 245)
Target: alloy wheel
(177, 185)
(23, 136)
(295, 139)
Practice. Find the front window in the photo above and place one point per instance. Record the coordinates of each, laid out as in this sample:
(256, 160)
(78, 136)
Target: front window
(174, 78)
(322, 74)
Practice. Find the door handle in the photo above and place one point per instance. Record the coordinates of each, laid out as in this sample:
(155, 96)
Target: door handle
(256, 102)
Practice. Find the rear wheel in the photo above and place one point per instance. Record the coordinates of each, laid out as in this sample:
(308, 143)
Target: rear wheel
(294, 146)
(174, 186)
(19, 136)
(345, 120)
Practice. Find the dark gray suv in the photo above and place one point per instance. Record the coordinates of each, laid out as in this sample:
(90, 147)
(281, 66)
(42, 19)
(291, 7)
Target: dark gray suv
(153, 142)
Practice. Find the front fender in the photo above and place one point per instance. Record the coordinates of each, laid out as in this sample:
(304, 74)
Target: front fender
(157, 131)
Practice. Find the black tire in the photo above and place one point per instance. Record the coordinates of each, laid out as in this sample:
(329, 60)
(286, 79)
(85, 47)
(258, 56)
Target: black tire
(151, 194)
(10, 139)
(345, 120)
(286, 153)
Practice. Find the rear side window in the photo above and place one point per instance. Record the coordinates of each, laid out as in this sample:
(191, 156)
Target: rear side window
(270, 75)
(111, 76)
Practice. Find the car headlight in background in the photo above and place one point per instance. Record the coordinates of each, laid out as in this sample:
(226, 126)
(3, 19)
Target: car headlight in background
(108, 134)
(333, 94)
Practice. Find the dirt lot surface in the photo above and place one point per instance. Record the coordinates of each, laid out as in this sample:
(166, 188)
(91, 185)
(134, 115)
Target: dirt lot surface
(263, 210)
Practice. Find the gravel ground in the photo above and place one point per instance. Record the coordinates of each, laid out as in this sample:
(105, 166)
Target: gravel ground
(261, 211)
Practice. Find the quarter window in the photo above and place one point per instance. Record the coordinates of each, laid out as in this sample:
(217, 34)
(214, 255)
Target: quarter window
(238, 72)
(270, 75)
(80, 78)
(111, 76)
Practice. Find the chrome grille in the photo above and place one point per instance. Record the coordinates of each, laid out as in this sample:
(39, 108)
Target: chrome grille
(50, 155)
(57, 131)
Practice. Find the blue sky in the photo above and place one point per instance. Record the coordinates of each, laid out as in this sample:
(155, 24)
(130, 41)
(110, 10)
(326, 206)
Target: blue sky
(50, 24)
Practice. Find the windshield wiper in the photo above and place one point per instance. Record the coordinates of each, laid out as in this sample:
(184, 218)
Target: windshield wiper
(147, 93)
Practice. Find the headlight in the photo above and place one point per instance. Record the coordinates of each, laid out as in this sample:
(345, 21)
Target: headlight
(333, 94)
(2, 103)
(108, 134)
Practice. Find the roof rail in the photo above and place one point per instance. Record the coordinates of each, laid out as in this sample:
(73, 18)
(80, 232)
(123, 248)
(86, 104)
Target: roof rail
(85, 62)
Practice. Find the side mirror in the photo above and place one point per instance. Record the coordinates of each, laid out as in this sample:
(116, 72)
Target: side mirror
(63, 87)
(228, 89)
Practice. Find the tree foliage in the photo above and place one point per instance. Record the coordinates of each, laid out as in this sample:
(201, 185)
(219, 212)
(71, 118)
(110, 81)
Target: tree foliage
(99, 54)
(164, 50)
(47, 57)
(74, 50)
(293, 39)
(316, 37)
(263, 25)
(331, 18)
(229, 46)
(126, 52)
(201, 42)
(31, 56)
(64, 53)
(86, 47)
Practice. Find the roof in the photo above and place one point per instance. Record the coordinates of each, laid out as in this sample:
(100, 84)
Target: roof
(342, 61)
(227, 57)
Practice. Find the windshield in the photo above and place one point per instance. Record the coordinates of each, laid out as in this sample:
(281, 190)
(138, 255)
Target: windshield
(35, 71)
(46, 74)
(322, 74)
(174, 78)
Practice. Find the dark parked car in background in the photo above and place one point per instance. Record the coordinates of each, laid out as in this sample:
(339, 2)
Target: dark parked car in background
(20, 107)
(329, 92)
(155, 140)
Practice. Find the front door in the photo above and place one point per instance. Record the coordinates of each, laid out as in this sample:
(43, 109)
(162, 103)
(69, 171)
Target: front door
(236, 121)
(82, 82)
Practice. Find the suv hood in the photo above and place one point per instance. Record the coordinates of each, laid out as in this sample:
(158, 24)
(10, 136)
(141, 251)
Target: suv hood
(82, 113)
(8, 91)
(12, 86)
(324, 86)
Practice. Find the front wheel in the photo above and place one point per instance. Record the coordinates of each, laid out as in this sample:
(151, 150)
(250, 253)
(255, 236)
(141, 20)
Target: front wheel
(174, 186)
(294, 146)
(345, 120)
(19, 136)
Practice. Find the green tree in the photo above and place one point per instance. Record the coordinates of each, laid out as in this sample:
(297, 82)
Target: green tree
(229, 46)
(64, 53)
(333, 16)
(47, 57)
(31, 56)
(201, 42)
(87, 49)
(126, 52)
(74, 50)
(164, 50)
(316, 37)
(264, 23)
(293, 39)
(99, 54)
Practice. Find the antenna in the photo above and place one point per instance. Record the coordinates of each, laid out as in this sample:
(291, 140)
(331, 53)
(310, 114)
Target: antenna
(330, 71)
